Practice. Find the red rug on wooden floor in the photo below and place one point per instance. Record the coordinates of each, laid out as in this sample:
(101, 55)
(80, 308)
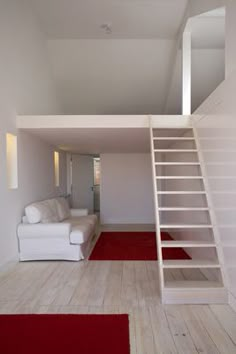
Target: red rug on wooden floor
(62, 334)
(137, 246)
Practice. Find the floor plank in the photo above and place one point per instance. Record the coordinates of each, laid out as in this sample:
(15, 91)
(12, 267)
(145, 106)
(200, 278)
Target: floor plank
(227, 318)
(112, 299)
(179, 330)
(128, 288)
(217, 333)
(113, 287)
(161, 331)
(200, 337)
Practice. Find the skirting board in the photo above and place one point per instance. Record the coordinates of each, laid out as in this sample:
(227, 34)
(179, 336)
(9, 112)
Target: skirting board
(127, 227)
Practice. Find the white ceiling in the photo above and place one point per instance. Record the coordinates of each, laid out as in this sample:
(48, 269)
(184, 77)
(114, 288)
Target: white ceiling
(129, 70)
(112, 76)
(82, 19)
(98, 140)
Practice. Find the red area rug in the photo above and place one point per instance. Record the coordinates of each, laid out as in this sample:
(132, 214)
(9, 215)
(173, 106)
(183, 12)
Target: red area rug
(62, 334)
(137, 246)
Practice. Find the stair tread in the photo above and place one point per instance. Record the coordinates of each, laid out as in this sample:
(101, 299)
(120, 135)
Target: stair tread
(173, 138)
(181, 192)
(190, 263)
(176, 243)
(177, 163)
(175, 150)
(183, 209)
(187, 226)
(179, 177)
(175, 284)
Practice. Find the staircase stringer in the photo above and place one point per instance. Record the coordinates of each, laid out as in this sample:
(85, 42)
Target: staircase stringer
(157, 216)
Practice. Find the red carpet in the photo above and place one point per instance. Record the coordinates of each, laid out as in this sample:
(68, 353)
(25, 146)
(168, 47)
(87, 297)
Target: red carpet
(127, 246)
(64, 334)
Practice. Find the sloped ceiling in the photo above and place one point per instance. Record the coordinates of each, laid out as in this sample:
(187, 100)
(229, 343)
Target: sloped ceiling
(127, 69)
(82, 19)
(124, 72)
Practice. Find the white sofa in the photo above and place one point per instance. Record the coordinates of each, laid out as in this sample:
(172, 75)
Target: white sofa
(50, 230)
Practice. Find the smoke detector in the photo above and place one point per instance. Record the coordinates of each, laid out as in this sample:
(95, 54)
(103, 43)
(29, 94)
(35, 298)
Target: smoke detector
(107, 27)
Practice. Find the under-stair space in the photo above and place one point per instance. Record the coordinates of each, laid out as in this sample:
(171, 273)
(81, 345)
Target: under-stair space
(183, 209)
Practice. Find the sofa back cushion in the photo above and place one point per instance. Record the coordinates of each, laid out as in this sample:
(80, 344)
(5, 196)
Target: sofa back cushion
(63, 209)
(44, 212)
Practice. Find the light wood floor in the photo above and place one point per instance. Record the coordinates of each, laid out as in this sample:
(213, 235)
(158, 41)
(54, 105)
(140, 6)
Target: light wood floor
(119, 287)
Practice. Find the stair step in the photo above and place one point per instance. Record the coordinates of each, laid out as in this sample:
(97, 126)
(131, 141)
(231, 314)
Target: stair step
(175, 284)
(181, 192)
(194, 292)
(185, 226)
(173, 138)
(182, 209)
(175, 150)
(177, 163)
(184, 244)
(179, 177)
(190, 263)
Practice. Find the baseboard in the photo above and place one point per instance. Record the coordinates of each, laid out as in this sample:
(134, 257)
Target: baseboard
(127, 227)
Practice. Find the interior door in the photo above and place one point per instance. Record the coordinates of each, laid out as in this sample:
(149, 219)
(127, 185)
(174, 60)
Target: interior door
(82, 182)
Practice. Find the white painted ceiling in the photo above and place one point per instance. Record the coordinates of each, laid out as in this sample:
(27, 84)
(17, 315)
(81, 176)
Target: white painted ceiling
(129, 70)
(112, 76)
(97, 140)
(82, 19)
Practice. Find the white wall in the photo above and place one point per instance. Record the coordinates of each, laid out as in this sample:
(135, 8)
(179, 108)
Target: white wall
(208, 71)
(216, 126)
(26, 87)
(112, 76)
(230, 43)
(126, 189)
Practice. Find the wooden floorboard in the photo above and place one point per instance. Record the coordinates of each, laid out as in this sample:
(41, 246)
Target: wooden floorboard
(114, 287)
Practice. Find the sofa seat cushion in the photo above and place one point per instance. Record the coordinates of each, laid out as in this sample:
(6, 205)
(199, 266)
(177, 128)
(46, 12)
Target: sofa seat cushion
(80, 233)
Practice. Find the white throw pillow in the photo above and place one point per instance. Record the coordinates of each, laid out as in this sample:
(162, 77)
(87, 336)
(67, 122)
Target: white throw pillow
(33, 213)
(54, 216)
(44, 212)
(63, 209)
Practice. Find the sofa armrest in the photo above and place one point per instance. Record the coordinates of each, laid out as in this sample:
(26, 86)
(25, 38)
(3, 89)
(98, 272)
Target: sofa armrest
(51, 230)
(78, 212)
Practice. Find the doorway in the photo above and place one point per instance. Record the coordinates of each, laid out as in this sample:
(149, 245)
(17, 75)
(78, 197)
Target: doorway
(85, 182)
(96, 183)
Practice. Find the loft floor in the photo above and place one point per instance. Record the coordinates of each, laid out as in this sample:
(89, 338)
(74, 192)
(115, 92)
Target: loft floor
(119, 287)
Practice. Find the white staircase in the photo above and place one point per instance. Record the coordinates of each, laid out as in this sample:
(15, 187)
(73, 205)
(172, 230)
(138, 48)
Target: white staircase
(184, 210)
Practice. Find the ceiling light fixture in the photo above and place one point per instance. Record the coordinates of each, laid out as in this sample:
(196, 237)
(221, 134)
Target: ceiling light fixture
(107, 27)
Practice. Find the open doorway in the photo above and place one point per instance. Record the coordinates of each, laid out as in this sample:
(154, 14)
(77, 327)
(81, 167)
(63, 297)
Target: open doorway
(85, 182)
(96, 183)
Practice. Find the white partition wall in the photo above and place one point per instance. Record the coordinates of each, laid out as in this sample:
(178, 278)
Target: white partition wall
(216, 126)
(126, 189)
